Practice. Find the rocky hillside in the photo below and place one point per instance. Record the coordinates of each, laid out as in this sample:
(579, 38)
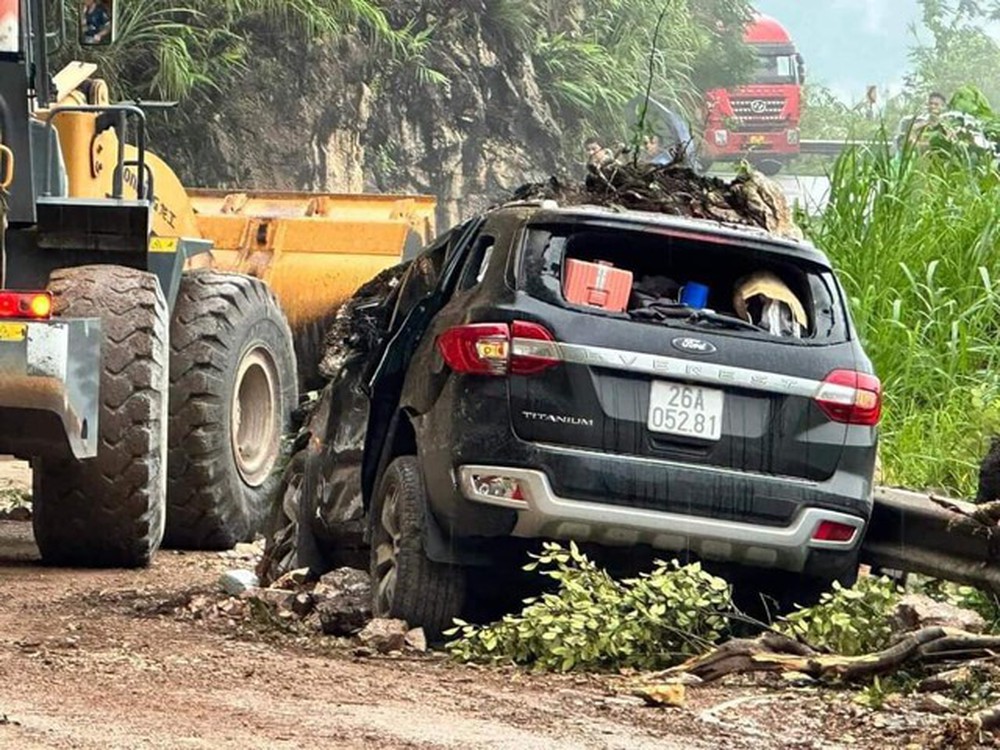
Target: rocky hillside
(340, 118)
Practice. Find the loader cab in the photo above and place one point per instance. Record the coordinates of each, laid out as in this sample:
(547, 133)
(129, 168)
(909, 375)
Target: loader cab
(82, 187)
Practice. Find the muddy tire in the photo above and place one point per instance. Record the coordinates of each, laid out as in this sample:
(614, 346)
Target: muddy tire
(405, 583)
(289, 542)
(108, 511)
(232, 391)
(281, 529)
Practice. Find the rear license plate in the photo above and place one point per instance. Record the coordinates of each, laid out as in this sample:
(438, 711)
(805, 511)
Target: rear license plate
(688, 410)
(13, 331)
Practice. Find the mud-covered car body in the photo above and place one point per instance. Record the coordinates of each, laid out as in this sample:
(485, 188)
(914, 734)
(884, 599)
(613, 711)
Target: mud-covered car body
(533, 417)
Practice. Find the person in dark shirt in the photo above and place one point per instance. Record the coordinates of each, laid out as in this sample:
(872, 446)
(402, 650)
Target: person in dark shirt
(96, 21)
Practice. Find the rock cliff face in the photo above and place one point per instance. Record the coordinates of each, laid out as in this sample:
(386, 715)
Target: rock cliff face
(342, 118)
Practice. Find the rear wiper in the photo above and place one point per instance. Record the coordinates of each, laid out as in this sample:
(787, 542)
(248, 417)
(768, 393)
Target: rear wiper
(714, 318)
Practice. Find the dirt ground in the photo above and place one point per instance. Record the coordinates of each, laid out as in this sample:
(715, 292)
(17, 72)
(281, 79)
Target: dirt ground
(103, 659)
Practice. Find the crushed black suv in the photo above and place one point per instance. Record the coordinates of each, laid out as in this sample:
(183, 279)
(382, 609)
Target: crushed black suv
(620, 378)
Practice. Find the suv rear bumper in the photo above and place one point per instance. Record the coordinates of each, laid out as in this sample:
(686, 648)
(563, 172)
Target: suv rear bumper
(541, 513)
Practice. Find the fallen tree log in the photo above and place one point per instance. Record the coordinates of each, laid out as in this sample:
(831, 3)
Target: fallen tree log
(941, 538)
(773, 652)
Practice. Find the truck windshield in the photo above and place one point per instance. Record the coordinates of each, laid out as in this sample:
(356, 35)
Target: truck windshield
(772, 68)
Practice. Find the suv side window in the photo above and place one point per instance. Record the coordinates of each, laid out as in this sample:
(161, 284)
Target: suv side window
(426, 270)
(476, 263)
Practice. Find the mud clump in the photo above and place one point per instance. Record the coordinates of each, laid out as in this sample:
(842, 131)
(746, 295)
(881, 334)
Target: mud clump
(750, 199)
(361, 321)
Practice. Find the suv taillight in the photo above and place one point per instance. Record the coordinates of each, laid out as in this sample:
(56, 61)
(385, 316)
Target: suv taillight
(851, 397)
(25, 305)
(520, 348)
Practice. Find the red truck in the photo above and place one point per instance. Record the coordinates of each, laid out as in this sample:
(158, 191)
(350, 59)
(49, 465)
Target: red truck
(758, 121)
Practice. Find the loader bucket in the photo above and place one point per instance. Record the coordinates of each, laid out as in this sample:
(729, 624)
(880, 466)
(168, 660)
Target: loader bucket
(314, 250)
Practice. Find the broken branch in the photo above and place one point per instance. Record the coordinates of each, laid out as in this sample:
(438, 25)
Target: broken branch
(775, 653)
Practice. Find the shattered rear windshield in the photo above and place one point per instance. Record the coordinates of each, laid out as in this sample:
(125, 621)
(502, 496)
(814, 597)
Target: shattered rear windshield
(663, 276)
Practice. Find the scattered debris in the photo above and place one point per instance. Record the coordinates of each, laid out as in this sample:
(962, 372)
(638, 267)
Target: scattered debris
(15, 503)
(281, 600)
(750, 199)
(235, 582)
(384, 636)
(244, 552)
(667, 694)
(360, 322)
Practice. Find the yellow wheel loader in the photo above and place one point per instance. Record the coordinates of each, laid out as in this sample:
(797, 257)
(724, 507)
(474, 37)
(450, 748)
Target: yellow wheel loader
(153, 339)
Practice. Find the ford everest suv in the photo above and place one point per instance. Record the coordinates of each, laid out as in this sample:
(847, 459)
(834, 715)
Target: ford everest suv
(610, 377)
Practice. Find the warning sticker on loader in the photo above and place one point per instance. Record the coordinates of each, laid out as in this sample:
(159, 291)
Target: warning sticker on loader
(163, 244)
(13, 331)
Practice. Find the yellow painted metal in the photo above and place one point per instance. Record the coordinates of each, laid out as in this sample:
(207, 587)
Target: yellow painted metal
(7, 157)
(313, 249)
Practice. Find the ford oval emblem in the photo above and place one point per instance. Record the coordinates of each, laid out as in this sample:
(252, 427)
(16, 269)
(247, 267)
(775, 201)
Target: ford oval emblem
(693, 346)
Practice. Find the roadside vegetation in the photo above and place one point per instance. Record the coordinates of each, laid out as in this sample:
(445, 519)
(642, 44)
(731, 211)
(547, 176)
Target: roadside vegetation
(914, 235)
(590, 621)
(590, 56)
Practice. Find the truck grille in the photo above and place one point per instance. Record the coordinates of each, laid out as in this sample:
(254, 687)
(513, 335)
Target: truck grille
(759, 112)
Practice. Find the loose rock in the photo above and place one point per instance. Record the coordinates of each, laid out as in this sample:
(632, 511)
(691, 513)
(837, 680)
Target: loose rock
(343, 598)
(235, 582)
(916, 611)
(384, 636)
(292, 580)
(934, 704)
(416, 640)
(283, 601)
(668, 694)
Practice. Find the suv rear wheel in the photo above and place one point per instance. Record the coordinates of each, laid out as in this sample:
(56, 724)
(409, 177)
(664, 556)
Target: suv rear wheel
(405, 583)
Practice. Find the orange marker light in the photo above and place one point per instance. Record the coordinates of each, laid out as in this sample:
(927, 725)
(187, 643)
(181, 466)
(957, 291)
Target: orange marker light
(41, 306)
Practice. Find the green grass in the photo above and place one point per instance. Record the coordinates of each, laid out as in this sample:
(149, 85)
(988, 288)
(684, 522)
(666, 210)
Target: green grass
(915, 241)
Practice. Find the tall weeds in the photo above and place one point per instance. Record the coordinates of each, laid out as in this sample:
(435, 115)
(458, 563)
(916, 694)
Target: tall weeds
(916, 240)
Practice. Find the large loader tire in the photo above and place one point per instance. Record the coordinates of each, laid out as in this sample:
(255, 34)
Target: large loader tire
(108, 511)
(232, 391)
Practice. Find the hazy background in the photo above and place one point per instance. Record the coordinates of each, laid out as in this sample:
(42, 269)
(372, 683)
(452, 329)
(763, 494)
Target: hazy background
(850, 44)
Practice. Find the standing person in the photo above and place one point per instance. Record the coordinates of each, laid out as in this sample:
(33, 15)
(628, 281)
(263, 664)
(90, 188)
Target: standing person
(96, 21)
(654, 153)
(936, 104)
(935, 107)
(595, 152)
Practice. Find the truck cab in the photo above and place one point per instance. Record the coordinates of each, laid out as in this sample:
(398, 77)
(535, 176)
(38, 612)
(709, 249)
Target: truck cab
(759, 120)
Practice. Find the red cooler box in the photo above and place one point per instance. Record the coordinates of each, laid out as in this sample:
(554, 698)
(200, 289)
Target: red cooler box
(597, 285)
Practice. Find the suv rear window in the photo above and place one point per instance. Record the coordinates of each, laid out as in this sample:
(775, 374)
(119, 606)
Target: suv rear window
(726, 280)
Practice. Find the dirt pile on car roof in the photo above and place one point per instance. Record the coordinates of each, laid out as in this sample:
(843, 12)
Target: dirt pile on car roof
(750, 199)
